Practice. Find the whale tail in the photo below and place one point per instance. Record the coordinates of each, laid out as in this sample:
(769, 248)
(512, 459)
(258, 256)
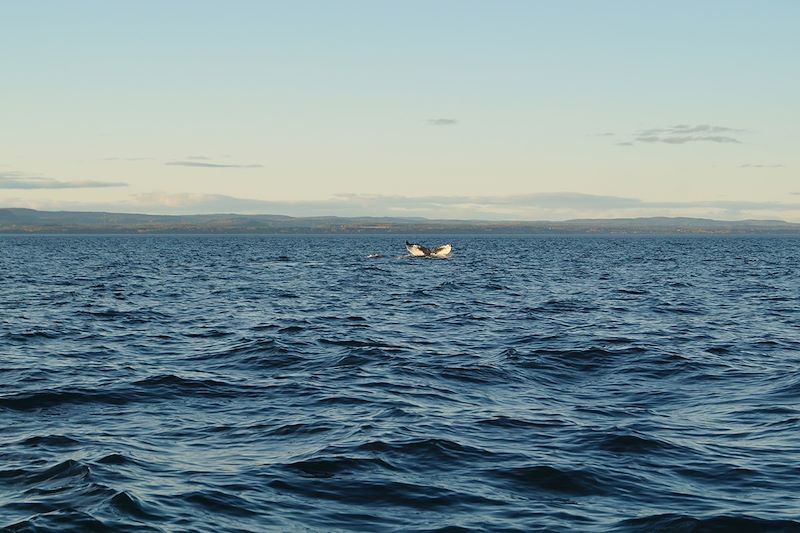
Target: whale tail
(443, 250)
(417, 250)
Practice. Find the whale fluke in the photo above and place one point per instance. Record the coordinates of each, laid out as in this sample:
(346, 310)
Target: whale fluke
(443, 250)
(418, 250)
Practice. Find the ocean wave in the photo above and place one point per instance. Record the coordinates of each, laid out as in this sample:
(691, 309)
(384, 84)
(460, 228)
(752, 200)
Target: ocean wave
(715, 524)
(190, 383)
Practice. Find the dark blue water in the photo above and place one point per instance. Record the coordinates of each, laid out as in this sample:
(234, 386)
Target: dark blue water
(291, 384)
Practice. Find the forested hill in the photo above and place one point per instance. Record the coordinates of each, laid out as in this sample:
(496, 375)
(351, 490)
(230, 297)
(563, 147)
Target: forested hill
(16, 220)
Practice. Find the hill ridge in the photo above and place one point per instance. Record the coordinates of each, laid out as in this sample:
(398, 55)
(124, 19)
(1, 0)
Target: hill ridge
(24, 220)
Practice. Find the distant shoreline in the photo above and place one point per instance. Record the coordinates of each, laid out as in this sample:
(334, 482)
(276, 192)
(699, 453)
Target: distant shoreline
(15, 221)
(446, 235)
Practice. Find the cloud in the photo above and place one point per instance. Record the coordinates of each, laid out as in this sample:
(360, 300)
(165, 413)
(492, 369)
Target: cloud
(493, 207)
(17, 180)
(752, 165)
(626, 143)
(191, 161)
(604, 134)
(687, 139)
(207, 164)
(442, 121)
(686, 129)
(686, 133)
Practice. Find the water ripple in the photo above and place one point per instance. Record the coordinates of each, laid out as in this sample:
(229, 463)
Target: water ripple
(217, 383)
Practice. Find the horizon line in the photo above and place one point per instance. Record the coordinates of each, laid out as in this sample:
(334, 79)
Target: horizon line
(394, 217)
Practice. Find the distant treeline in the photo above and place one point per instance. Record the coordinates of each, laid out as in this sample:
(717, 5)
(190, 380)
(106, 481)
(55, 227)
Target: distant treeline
(14, 220)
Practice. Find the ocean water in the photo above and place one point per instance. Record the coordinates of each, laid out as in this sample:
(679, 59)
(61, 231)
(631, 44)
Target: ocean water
(291, 383)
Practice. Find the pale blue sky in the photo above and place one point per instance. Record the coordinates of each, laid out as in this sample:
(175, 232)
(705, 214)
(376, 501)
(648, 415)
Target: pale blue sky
(451, 109)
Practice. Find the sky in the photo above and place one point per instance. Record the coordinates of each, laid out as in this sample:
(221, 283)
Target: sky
(492, 109)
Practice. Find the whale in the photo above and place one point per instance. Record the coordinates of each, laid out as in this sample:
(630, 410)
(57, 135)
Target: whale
(418, 250)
